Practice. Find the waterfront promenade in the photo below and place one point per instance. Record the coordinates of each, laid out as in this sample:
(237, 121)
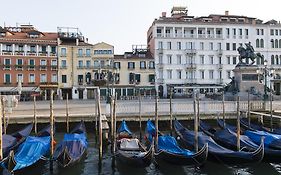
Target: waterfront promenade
(129, 109)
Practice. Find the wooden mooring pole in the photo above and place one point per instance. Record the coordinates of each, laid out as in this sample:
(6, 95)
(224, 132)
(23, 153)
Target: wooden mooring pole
(171, 111)
(140, 115)
(271, 112)
(195, 122)
(238, 123)
(100, 126)
(52, 130)
(111, 122)
(34, 114)
(3, 114)
(156, 122)
(67, 114)
(248, 113)
(114, 126)
(223, 110)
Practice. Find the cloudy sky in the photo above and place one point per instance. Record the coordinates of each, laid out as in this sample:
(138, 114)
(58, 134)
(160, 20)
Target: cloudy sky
(121, 22)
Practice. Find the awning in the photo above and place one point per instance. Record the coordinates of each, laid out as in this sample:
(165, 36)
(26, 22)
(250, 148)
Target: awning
(23, 89)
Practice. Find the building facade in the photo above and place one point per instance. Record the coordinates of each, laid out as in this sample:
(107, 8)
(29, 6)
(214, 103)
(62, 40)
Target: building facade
(135, 73)
(28, 60)
(201, 52)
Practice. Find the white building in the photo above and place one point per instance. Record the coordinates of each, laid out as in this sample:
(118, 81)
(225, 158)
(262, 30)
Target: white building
(202, 51)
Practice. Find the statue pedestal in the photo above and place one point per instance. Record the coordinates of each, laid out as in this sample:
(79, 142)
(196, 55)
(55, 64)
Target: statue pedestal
(247, 79)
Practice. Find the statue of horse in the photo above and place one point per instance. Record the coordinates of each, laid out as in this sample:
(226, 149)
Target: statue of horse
(248, 53)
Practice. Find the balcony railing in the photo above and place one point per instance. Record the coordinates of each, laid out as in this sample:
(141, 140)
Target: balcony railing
(31, 67)
(219, 52)
(190, 51)
(187, 35)
(160, 35)
(190, 66)
(43, 67)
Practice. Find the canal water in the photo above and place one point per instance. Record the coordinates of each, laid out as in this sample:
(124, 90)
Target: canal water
(90, 165)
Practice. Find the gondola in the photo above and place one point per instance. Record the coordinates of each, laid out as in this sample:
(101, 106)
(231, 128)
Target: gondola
(12, 141)
(217, 152)
(30, 153)
(270, 155)
(129, 149)
(258, 127)
(73, 147)
(170, 152)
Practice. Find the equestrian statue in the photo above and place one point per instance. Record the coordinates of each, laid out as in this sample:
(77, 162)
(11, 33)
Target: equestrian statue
(249, 52)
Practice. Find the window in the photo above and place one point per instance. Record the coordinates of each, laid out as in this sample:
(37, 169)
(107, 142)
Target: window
(43, 78)
(246, 32)
(179, 45)
(44, 49)
(277, 60)
(220, 74)
(276, 32)
(19, 64)
(31, 62)
(96, 64)
(240, 32)
(88, 52)
(32, 49)
(7, 63)
(211, 45)
(227, 46)
(220, 60)
(80, 79)
(169, 72)
(169, 57)
(234, 60)
(202, 59)
(131, 65)
(262, 32)
(53, 49)
(211, 74)
(142, 65)
(64, 78)
(178, 59)
(276, 43)
(21, 48)
(272, 59)
(228, 60)
(202, 74)
(88, 64)
(160, 59)
(19, 78)
(151, 65)
(54, 63)
(219, 46)
(63, 52)
(271, 32)
(234, 32)
(54, 78)
(43, 62)
(151, 78)
(258, 31)
(201, 46)
(169, 45)
(262, 43)
(257, 43)
(160, 45)
(31, 78)
(117, 65)
(80, 52)
(233, 46)
(7, 78)
(211, 59)
(178, 74)
(63, 63)
(272, 43)
(80, 63)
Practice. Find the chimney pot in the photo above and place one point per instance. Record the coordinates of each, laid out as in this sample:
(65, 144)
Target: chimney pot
(226, 13)
(164, 14)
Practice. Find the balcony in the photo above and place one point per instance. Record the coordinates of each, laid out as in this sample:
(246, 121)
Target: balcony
(220, 66)
(191, 81)
(43, 54)
(53, 54)
(190, 66)
(20, 53)
(63, 67)
(219, 36)
(31, 67)
(43, 67)
(190, 51)
(210, 36)
(178, 35)
(54, 67)
(160, 35)
(31, 53)
(201, 36)
(160, 50)
(7, 67)
(160, 80)
(189, 35)
(19, 67)
(7, 52)
(169, 35)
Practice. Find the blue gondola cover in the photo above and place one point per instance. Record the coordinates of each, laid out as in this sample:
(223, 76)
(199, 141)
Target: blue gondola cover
(124, 128)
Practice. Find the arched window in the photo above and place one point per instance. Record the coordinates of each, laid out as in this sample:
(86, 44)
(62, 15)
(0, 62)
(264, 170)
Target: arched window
(276, 43)
(262, 60)
(272, 43)
(279, 59)
(258, 60)
(280, 43)
(262, 43)
(276, 60)
(257, 43)
(272, 59)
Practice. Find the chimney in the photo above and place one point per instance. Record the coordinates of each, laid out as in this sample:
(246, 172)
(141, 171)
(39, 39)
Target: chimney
(226, 13)
(77, 41)
(164, 14)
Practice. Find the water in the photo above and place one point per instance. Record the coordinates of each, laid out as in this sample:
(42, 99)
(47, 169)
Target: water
(90, 166)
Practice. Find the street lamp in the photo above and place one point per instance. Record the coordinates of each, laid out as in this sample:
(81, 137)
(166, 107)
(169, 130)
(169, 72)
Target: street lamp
(266, 73)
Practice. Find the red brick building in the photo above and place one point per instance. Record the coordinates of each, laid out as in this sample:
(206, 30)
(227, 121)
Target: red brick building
(28, 55)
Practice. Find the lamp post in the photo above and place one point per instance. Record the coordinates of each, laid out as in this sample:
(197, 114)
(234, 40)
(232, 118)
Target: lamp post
(266, 73)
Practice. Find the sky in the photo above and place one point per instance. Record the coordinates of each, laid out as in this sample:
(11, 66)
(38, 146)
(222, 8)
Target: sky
(122, 23)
